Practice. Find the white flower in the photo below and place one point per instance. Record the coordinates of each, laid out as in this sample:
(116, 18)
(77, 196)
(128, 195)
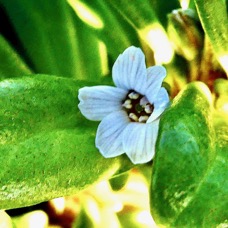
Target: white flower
(129, 113)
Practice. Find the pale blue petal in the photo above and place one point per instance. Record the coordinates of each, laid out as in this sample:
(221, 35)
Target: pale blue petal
(139, 141)
(160, 104)
(109, 134)
(129, 70)
(96, 102)
(156, 75)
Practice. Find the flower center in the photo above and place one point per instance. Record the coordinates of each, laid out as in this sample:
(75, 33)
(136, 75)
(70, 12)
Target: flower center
(137, 107)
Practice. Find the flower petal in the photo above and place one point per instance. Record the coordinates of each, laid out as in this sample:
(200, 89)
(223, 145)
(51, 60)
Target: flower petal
(156, 75)
(96, 102)
(109, 134)
(129, 70)
(139, 141)
(160, 104)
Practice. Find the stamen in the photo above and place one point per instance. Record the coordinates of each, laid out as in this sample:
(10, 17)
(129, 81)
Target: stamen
(127, 104)
(148, 109)
(143, 119)
(133, 95)
(133, 117)
(137, 107)
(143, 101)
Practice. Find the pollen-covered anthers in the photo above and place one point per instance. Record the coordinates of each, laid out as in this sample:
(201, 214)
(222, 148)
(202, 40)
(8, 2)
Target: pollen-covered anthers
(137, 107)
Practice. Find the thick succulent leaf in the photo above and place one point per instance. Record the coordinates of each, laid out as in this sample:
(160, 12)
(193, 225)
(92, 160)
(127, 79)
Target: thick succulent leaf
(189, 178)
(46, 147)
(11, 65)
(213, 16)
(51, 37)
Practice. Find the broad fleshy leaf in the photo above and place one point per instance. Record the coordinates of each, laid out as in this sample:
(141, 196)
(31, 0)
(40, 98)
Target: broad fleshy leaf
(189, 178)
(46, 147)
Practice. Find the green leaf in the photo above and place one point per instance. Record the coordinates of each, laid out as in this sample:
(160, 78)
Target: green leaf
(107, 24)
(163, 7)
(189, 178)
(46, 147)
(90, 63)
(85, 217)
(11, 63)
(47, 32)
(118, 182)
(141, 15)
(133, 12)
(213, 16)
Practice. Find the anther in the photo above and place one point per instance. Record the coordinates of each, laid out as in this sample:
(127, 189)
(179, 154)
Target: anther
(133, 117)
(127, 104)
(143, 101)
(143, 119)
(148, 109)
(133, 95)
